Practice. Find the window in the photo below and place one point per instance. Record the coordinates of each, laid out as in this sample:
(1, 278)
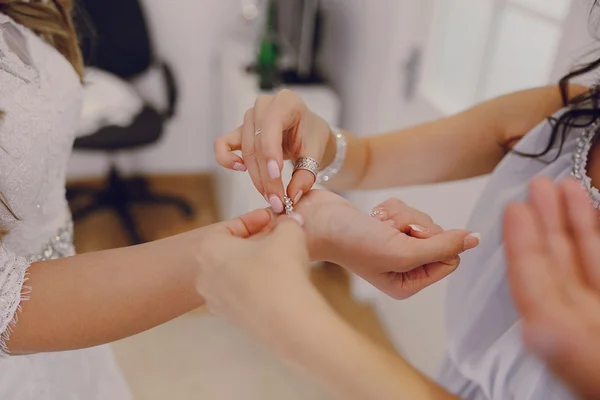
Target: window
(484, 48)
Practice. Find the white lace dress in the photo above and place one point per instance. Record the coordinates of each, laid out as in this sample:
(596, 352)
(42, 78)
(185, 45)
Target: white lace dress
(40, 96)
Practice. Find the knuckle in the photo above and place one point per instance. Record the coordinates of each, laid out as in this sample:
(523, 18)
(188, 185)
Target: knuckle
(265, 98)
(248, 152)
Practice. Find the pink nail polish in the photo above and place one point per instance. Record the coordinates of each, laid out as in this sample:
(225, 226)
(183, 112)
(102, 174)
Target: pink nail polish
(298, 197)
(239, 167)
(472, 240)
(273, 168)
(419, 228)
(276, 204)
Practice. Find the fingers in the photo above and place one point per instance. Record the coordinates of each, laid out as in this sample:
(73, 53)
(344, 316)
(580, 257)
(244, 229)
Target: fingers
(405, 285)
(316, 137)
(248, 224)
(444, 246)
(249, 152)
(406, 219)
(301, 183)
(269, 168)
(285, 126)
(288, 234)
(528, 260)
(583, 225)
(290, 227)
(224, 148)
(550, 209)
(285, 111)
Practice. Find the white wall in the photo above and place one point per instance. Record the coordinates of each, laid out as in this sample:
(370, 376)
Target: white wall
(186, 34)
(366, 43)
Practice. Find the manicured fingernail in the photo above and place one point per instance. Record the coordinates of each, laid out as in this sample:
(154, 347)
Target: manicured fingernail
(273, 168)
(472, 240)
(298, 197)
(379, 214)
(419, 228)
(298, 218)
(276, 204)
(239, 167)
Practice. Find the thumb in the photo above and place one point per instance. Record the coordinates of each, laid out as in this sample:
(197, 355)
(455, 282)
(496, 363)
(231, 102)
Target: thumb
(289, 229)
(316, 139)
(442, 247)
(248, 224)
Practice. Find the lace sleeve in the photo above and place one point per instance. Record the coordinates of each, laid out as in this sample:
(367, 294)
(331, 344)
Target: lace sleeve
(13, 274)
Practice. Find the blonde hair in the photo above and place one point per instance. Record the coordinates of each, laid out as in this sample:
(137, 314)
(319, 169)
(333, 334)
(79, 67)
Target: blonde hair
(52, 21)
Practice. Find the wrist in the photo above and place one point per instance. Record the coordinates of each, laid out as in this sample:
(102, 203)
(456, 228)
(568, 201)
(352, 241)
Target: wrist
(314, 211)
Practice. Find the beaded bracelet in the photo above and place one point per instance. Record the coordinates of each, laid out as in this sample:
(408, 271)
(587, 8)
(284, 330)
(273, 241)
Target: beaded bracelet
(341, 145)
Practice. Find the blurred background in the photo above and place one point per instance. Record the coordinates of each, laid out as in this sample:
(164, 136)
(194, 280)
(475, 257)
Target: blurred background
(166, 78)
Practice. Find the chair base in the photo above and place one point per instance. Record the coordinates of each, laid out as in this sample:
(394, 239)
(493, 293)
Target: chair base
(119, 195)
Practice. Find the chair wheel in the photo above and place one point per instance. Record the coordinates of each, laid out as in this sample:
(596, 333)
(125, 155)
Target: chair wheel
(187, 210)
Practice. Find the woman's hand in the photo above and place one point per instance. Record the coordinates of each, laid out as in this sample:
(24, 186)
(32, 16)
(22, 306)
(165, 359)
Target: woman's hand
(553, 252)
(287, 129)
(260, 283)
(384, 253)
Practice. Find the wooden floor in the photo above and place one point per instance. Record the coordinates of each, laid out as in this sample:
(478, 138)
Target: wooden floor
(102, 230)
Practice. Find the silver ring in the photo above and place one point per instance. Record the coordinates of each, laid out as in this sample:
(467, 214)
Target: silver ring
(309, 164)
(257, 132)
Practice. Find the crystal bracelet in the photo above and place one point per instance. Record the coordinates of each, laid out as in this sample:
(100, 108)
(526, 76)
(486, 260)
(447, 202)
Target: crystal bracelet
(341, 145)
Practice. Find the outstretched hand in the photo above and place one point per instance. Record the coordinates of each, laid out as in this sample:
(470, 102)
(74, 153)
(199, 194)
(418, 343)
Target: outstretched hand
(553, 252)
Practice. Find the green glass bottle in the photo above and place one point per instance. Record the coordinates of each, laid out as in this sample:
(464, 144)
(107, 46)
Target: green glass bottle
(268, 51)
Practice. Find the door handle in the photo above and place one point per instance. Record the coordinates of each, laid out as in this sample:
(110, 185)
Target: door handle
(411, 71)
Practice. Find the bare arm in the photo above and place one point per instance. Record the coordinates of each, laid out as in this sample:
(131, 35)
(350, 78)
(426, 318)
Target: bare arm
(270, 296)
(96, 298)
(461, 146)
(352, 367)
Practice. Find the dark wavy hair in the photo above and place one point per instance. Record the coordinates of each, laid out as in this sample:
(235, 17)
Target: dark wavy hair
(581, 111)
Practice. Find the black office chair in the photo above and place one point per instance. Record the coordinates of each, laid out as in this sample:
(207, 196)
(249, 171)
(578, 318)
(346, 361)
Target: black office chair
(121, 45)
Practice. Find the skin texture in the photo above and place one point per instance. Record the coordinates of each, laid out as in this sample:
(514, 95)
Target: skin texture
(561, 331)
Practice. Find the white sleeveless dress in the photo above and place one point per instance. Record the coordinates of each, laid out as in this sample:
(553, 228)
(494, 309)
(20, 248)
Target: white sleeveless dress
(486, 357)
(40, 95)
